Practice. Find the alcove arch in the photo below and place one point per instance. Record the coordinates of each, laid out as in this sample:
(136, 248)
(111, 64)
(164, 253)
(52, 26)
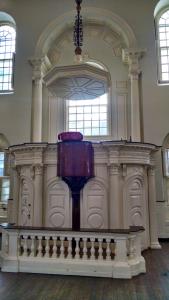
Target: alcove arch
(92, 14)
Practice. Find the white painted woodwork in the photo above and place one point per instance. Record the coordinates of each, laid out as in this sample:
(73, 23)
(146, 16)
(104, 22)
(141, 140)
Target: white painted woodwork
(58, 205)
(94, 254)
(94, 205)
(117, 197)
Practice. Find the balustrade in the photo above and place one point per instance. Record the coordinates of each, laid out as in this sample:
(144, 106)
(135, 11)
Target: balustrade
(105, 254)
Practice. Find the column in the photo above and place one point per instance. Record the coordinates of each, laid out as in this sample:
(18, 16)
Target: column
(154, 244)
(36, 113)
(131, 57)
(115, 217)
(15, 174)
(37, 205)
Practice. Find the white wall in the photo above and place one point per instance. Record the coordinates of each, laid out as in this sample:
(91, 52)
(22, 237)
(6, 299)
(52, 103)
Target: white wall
(33, 16)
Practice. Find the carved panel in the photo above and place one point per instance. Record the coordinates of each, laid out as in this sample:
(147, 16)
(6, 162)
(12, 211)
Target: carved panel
(135, 194)
(94, 206)
(26, 199)
(58, 206)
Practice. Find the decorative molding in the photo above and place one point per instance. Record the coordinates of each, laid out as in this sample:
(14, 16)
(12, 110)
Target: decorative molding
(131, 57)
(90, 14)
(37, 67)
(38, 169)
(115, 169)
(151, 171)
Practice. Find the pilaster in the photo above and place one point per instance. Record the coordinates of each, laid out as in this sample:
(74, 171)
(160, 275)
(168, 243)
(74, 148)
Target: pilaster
(154, 244)
(132, 57)
(115, 221)
(36, 114)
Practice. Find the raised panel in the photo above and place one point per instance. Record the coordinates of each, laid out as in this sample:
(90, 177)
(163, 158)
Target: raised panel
(136, 202)
(58, 206)
(25, 202)
(95, 220)
(56, 201)
(94, 210)
(95, 202)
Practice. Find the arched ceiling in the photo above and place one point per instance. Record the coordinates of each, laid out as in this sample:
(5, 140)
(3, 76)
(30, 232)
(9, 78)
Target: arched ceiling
(90, 30)
(90, 14)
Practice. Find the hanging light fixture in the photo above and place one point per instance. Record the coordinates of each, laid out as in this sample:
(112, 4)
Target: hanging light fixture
(78, 32)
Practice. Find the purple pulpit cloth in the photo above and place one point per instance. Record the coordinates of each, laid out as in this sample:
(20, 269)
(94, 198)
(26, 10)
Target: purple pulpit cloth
(75, 158)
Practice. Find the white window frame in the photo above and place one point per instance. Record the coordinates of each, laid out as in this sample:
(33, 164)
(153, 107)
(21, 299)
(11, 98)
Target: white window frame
(158, 47)
(109, 109)
(9, 91)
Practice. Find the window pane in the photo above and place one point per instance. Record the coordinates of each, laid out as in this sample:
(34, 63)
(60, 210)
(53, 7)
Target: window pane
(80, 117)
(7, 49)
(72, 124)
(80, 110)
(95, 131)
(165, 76)
(164, 68)
(103, 131)
(72, 110)
(91, 116)
(72, 117)
(87, 131)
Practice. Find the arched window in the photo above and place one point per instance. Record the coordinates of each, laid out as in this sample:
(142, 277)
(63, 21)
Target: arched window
(7, 52)
(162, 27)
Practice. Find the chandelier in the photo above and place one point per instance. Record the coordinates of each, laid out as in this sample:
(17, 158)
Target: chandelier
(78, 31)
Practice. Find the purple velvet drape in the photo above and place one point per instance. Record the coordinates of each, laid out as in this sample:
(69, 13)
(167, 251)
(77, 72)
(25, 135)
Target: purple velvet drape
(75, 158)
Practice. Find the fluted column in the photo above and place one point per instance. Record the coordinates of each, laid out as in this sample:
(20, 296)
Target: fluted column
(36, 113)
(37, 215)
(115, 218)
(131, 57)
(154, 244)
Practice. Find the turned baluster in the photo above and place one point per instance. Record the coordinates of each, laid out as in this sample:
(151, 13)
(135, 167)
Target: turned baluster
(25, 253)
(100, 256)
(77, 249)
(108, 251)
(47, 248)
(62, 247)
(92, 250)
(54, 253)
(69, 256)
(32, 249)
(19, 245)
(85, 248)
(40, 254)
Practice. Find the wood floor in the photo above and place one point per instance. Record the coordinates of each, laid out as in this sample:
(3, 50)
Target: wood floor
(152, 285)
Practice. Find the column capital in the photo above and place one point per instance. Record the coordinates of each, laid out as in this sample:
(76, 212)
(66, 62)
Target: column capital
(151, 171)
(131, 57)
(38, 169)
(39, 66)
(115, 169)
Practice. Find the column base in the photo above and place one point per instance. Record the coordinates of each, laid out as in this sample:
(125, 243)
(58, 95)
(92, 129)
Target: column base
(155, 245)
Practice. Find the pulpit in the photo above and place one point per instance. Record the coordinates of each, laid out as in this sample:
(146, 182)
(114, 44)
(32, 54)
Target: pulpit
(75, 167)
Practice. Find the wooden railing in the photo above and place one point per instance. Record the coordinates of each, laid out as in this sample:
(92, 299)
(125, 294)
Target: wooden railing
(107, 253)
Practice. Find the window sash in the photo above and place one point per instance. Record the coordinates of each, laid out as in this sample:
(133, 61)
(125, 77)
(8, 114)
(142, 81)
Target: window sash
(163, 47)
(7, 58)
(91, 118)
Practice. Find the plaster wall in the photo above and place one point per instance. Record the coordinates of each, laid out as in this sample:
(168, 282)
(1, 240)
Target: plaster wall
(32, 17)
